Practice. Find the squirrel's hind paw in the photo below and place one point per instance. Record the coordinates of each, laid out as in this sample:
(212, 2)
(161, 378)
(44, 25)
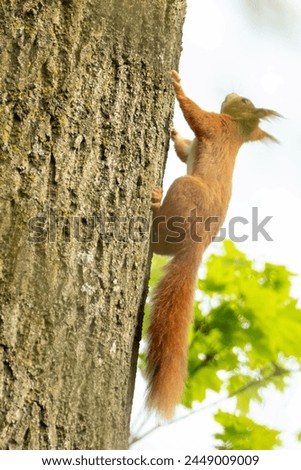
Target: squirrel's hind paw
(157, 194)
(173, 133)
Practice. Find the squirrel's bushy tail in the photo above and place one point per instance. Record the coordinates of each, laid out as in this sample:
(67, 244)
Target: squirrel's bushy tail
(171, 313)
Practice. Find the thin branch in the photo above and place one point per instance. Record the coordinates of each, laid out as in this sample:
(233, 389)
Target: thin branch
(278, 371)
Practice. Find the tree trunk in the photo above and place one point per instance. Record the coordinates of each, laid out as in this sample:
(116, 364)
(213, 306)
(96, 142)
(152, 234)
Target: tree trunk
(85, 116)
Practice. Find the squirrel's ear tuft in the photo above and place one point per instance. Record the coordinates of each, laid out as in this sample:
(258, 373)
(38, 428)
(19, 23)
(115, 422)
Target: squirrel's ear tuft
(259, 134)
(262, 113)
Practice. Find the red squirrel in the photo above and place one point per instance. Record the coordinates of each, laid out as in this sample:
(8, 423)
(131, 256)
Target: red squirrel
(184, 224)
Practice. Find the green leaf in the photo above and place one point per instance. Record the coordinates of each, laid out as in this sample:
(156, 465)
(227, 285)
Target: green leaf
(246, 389)
(157, 269)
(146, 320)
(199, 383)
(142, 361)
(242, 433)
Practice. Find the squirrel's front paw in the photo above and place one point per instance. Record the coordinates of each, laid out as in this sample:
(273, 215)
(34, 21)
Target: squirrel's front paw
(175, 78)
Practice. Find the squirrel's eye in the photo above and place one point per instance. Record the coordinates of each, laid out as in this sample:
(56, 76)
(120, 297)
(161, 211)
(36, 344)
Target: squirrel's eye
(245, 100)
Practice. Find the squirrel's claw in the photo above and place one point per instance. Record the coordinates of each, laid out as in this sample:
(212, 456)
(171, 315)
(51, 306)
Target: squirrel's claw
(175, 77)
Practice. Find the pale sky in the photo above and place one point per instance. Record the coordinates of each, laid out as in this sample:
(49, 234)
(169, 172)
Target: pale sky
(227, 48)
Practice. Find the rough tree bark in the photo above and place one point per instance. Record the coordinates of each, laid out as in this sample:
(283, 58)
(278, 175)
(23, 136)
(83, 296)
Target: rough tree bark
(85, 116)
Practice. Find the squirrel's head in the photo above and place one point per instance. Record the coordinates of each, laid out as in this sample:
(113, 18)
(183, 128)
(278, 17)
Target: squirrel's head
(243, 110)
